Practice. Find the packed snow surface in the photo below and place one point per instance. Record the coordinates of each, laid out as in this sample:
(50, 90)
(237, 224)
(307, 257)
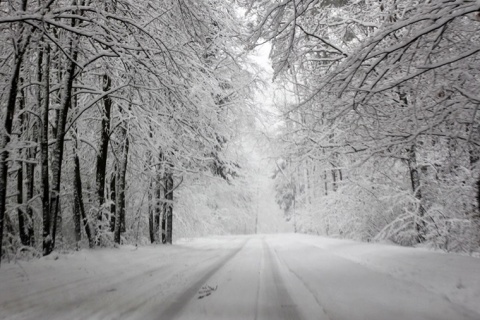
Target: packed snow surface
(284, 276)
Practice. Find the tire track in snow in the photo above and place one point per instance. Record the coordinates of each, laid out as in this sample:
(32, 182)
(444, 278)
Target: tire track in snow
(97, 295)
(84, 280)
(307, 302)
(276, 290)
(338, 282)
(176, 307)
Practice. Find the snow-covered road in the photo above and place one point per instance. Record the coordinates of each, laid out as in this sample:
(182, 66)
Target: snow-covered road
(245, 277)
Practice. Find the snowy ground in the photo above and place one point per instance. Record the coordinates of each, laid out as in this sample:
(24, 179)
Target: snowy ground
(245, 277)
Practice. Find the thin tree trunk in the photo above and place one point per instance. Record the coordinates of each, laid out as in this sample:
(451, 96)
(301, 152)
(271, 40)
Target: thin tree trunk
(158, 208)
(325, 182)
(30, 186)
(113, 197)
(152, 223)
(79, 204)
(159, 194)
(478, 198)
(5, 134)
(306, 185)
(77, 198)
(44, 77)
(120, 188)
(20, 210)
(101, 166)
(416, 187)
(164, 226)
(169, 203)
(151, 227)
(86, 225)
(59, 143)
(161, 203)
(476, 215)
(334, 180)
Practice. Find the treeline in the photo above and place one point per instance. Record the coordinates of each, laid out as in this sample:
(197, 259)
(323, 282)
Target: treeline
(384, 139)
(106, 106)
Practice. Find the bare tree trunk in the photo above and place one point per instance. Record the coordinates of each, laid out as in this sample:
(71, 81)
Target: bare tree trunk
(59, 143)
(120, 187)
(151, 227)
(158, 208)
(101, 166)
(77, 197)
(165, 178)
(79, 204)
(8, 118)
(478, 198)
(113, 197)
(334, 180)
(20, 210)
(159, 200)
(476, 215)
(474, 154)
(416, 187)
(164, 226)
(44, 102)
(30, 186)
(325, 182)
(169, 205)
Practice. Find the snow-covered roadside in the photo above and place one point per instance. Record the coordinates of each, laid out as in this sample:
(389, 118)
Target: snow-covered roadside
(455, 277)
(127, 282)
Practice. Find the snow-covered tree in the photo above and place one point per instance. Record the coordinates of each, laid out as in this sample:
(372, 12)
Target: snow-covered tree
(389, 83)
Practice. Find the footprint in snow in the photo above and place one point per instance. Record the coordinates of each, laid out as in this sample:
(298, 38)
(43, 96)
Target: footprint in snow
(205, 291)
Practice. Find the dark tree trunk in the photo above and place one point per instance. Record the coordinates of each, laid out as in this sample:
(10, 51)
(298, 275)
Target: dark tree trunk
(151, 226)
(30, 185)
(478, 197)
(120, 188)
(416, 187)
(77, 199)
(59, 143)
(164, 227)
(101, 166)
(158, 205)
(5, 135)
(169, 204)
(44, 101)
(161, 218)
(21, 214)
(22, 220)
(86, 225)
(474, 154)
(325, 182)
(25, 212)
(334, 180)
(113, 198)
(79, 205)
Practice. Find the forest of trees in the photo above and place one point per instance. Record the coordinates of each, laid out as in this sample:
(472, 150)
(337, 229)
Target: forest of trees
(117, 112)
(110, 109)
(380, 136)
